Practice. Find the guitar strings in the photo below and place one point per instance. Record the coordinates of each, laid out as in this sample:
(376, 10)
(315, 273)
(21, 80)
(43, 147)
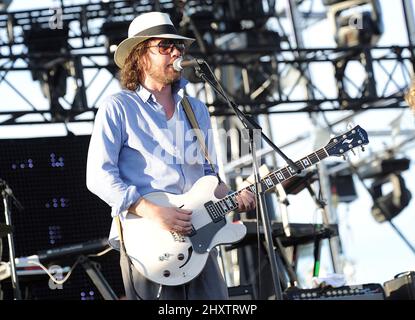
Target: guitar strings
(269, 175)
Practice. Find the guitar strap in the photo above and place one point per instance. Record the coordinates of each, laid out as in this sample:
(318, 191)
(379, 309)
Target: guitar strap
(120, 234)
(188, 110)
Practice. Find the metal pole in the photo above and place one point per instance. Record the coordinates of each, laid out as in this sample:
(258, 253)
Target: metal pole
(15, 282)
(329, 216)
(400, 234)
(98, 279)
(262, 207)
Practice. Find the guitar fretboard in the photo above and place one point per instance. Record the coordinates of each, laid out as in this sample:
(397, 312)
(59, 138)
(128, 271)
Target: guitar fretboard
(219, 209)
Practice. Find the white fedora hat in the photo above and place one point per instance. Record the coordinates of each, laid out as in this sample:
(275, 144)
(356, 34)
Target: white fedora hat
(145, 26)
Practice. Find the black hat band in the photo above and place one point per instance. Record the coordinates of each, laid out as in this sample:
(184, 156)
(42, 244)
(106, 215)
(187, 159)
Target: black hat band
(157, 30)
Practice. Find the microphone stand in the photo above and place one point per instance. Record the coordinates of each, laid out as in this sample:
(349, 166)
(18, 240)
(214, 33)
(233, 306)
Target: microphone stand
(7, 193)
(252, 126)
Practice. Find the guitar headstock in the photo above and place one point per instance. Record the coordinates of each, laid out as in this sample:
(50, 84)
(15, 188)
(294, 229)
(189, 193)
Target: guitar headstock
(353, 138)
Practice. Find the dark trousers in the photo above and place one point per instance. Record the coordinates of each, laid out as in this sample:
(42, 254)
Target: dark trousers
(208, 285)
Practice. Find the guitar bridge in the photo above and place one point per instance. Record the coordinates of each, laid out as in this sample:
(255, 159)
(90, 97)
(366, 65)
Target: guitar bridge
(177, 237)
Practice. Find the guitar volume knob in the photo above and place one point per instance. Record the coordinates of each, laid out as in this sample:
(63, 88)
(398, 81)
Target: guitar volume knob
(180, 256)
(166, 273)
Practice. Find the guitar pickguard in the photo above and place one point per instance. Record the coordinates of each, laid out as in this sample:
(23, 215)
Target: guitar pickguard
(203, 236)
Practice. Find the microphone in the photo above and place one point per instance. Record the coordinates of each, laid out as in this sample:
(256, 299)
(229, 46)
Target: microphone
(179, 63)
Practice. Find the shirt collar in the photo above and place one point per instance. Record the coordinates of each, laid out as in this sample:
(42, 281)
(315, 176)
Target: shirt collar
(178, 88)
(143, 93)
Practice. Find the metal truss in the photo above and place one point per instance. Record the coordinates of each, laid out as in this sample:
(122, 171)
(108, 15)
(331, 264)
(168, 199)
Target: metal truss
(393, 64)
(258, 72)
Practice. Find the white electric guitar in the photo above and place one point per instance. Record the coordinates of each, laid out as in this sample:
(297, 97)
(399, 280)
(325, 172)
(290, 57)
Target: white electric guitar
(169, 258)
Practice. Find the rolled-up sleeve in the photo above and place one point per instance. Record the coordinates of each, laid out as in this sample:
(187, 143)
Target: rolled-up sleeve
(102, 172)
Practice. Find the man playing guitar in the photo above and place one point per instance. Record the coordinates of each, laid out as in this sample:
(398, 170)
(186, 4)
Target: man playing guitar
(142, 143)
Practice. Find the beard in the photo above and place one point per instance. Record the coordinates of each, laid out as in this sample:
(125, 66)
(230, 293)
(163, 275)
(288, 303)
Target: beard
(165, 76)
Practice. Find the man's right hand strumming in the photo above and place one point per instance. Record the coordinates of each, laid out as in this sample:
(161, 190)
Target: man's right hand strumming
(171, 219)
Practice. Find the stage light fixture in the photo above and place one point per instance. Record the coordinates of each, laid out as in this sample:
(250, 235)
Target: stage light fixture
(115, 32)
(356, 22)
(388, 206)
(239, 15)
(342, 185)
(357, 29)
(387, 176)
(48, 50)
(4, 4)
(379, 168)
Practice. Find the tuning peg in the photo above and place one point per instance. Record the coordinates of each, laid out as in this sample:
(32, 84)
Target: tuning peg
(344, 157)
(352, 150)
(363, 148)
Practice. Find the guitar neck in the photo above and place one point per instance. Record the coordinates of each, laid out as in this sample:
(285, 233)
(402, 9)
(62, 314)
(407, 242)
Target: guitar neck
(229, 203)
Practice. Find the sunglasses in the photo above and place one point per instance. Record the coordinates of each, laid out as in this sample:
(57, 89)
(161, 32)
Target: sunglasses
(166, 46)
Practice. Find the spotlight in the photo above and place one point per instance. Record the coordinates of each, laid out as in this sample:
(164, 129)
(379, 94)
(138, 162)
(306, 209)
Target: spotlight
(115, 32)
(354, 23)
(240, 15)
(357, 29)
(47, 49)
(388, 206)
(381, 168)
(386, 173)
(200, 22)
(342, 185)
(4, 4)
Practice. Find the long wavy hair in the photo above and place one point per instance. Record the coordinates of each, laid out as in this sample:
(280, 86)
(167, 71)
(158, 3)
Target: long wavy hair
(132, 73)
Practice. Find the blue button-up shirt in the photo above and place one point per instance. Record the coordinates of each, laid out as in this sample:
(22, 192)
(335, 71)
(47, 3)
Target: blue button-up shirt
(132, 152)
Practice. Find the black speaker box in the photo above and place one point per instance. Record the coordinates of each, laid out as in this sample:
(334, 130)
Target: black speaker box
(402, 287)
